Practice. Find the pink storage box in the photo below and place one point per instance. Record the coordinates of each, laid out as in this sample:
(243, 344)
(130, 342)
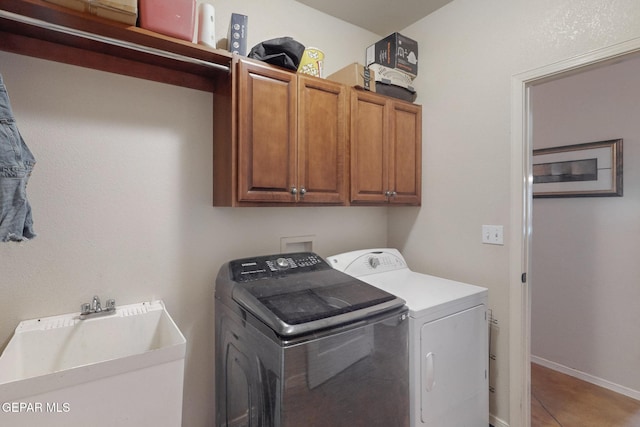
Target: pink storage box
(175, 18)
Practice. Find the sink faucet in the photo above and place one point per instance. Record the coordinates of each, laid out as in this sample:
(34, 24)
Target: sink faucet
(95, 309)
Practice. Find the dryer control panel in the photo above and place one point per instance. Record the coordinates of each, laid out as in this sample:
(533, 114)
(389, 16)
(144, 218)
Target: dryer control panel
(361, 263)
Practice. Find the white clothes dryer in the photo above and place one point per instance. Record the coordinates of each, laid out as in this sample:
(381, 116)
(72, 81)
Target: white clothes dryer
(448, 338)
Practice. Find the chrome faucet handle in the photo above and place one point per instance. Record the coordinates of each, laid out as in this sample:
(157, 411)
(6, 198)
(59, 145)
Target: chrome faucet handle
(85, 308)
(96, 304)
(111, 304)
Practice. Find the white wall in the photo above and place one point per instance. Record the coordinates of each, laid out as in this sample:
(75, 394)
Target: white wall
(469, 51)
(121, 193)
(586, 299)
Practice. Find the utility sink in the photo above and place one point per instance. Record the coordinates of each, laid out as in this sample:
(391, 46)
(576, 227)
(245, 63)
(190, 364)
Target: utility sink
(124, 369)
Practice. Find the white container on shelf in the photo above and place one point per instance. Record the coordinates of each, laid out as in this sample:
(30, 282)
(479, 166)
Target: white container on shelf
(206, 24)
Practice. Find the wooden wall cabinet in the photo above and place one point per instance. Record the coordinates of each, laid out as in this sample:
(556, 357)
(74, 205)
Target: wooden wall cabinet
(290, 140)
(267, 142)
(323, 168)
(386, 150)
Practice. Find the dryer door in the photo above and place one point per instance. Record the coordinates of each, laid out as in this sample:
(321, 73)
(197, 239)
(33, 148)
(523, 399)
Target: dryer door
(454, 370)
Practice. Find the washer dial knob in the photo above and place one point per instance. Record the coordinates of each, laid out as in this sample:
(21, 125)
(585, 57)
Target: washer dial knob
(282, 263)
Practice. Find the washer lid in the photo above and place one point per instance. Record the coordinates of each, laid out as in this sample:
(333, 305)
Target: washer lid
(316, 296)
(298, 293)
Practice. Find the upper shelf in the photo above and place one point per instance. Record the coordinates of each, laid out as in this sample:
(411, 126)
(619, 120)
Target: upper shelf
(44, 30)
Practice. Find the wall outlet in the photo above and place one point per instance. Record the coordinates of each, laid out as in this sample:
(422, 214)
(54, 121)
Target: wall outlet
(493, 234)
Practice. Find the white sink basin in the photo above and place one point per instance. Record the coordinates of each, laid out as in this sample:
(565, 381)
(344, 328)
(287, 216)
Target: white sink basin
(73, 370)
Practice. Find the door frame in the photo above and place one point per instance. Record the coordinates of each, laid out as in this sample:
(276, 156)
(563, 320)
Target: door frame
(521, 216)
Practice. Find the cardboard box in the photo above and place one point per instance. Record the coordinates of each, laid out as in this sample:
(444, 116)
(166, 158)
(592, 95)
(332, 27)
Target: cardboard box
(238, 34)
(120, 12)
(125, 11)
(355, 75)
(130, 6)
(395, 51)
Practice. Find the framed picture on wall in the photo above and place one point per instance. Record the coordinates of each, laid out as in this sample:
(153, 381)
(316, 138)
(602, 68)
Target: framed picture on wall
(593, 169)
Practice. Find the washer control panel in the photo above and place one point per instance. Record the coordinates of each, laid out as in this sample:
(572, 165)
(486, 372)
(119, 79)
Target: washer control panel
(273, 266)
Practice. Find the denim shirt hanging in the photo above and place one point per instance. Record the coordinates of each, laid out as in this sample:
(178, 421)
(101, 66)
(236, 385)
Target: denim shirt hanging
(16, 164)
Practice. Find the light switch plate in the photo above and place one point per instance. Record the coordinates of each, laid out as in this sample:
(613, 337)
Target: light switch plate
(493, 234)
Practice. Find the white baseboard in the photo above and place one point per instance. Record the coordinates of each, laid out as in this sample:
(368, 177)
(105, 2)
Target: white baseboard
(497, 422)
(634, 394)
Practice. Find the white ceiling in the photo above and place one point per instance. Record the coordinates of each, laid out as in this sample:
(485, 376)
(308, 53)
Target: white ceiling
(382, 17)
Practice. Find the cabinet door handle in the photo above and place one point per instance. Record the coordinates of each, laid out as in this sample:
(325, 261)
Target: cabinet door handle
(294, 190)
(303, 191)
(387, 193)
(394, 194)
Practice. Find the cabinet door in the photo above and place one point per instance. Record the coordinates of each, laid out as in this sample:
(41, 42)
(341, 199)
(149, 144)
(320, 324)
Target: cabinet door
(266, 133)
(405, 153)
(369, 147)
(322, 121)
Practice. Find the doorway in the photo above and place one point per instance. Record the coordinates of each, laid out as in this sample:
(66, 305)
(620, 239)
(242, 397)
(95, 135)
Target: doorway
(583, 247)
(521, 214)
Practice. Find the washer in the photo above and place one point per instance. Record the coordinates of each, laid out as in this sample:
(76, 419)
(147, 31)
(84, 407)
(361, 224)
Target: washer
(448, 338)
(299, 343)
